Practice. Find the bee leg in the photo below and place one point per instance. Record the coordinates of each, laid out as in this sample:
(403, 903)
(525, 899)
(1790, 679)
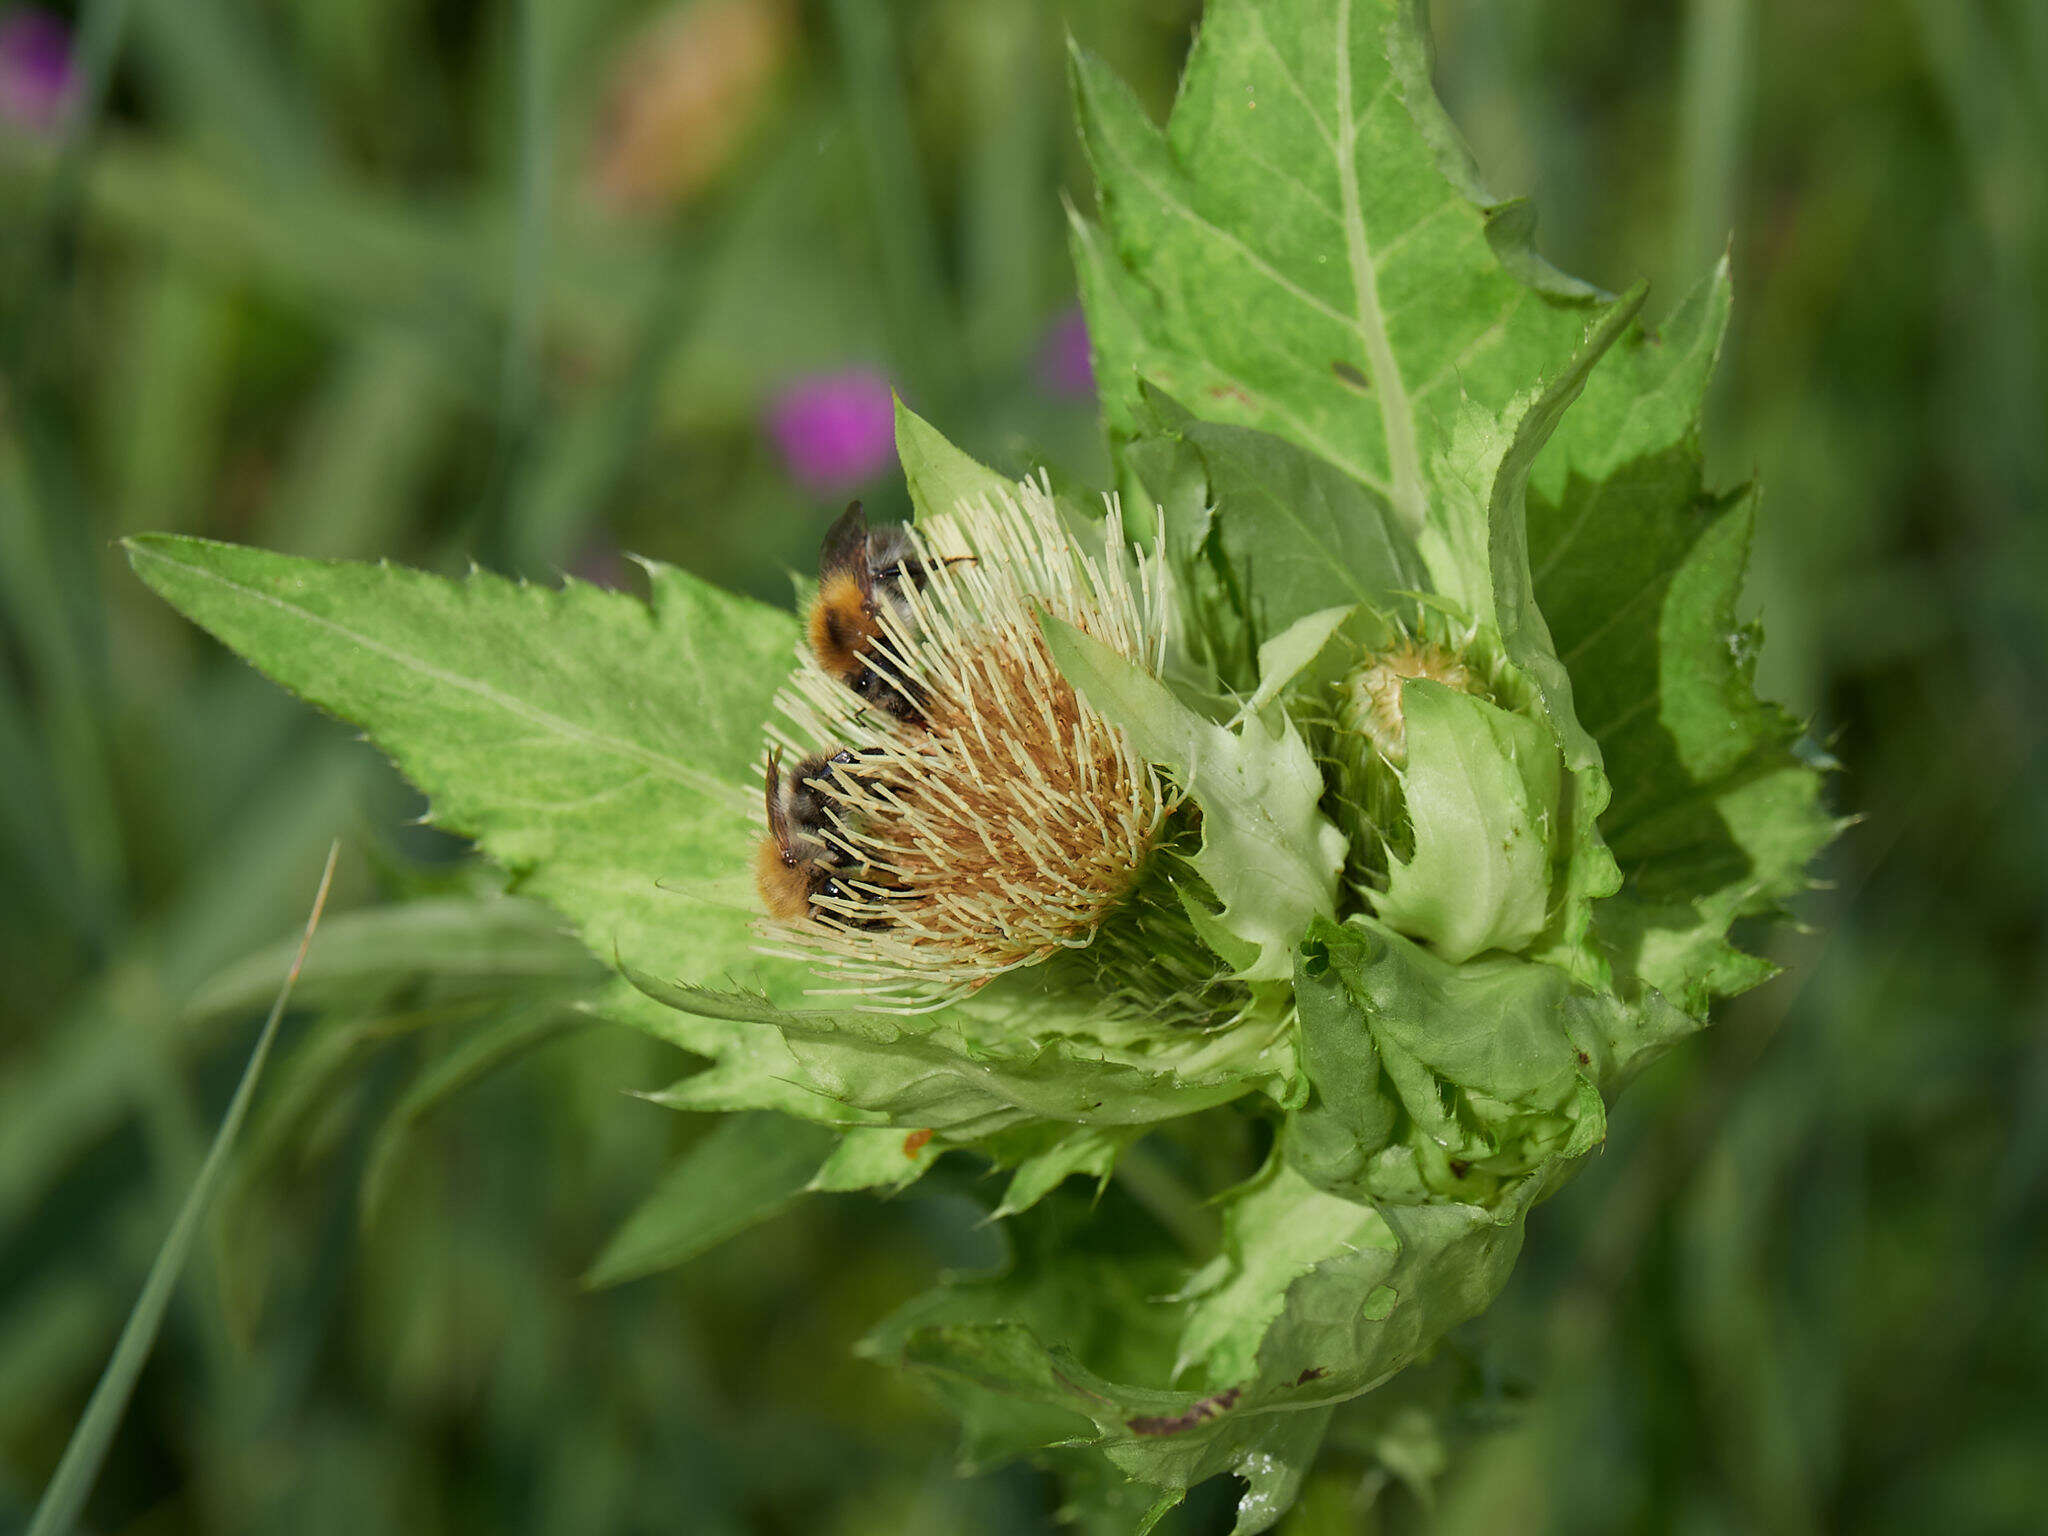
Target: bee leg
(900, 698)
(834, 889)
(915, 571)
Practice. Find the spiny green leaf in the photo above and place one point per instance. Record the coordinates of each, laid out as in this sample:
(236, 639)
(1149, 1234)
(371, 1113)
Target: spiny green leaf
(1076, 1289)
(1054, 1348)
(1433, 1080)
(752, 1066)
(1639, 569)
(967, 1073)
(1300, 250)
(1276, 1229)
(602, 750)
(1061, 1152)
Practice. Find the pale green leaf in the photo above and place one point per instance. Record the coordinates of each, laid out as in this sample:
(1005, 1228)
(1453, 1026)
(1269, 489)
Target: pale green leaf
(1091, 1150)
(1075, 1290)
(603, 750)
(1268, 854)
(1057, 1348)
(940, 476)
(1276, 1229)
(876, 1157)
(926, 1071)
(1284, 657)
(1436, 1081)
(752, 1066)
(1476, 545)
(1476, 539)
(1481, 789)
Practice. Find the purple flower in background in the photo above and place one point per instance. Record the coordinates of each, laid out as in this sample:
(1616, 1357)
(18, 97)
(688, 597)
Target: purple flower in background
(1064, 366)
(836, 430)
(38, 80)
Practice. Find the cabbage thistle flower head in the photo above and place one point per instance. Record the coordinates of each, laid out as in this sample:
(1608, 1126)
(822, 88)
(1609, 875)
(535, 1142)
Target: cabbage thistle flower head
(1009, 819)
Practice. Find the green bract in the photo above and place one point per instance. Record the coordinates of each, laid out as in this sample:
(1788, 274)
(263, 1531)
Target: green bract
(1352, 412)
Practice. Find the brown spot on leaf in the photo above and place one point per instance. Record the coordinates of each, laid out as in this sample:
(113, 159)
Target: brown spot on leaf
(1309, 1374)
(914, 1143)
(1350, 375)
(1174, 1423)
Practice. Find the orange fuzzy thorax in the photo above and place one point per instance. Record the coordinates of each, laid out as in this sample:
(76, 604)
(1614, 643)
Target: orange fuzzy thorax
(842, 626)
(785, 888)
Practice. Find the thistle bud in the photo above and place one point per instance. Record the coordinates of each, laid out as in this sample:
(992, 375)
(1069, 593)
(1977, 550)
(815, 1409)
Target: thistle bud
(1370, 696)
(1450, 778)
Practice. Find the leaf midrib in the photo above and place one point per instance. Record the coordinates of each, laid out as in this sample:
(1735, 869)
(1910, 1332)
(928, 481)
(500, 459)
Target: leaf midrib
(1397, 411)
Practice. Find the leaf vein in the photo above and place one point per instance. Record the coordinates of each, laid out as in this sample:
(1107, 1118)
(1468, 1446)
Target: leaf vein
(1293, 81)
(1203, 225)
(549, 723)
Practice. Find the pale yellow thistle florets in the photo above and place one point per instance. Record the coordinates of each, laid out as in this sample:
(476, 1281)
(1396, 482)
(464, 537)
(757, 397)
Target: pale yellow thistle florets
(1003, 825)
(1372, 694)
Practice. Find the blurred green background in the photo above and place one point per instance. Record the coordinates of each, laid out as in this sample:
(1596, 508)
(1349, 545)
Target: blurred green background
(535, 284)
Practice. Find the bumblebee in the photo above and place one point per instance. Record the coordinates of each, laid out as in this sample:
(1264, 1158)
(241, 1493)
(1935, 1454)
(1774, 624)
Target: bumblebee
(861, 570)
(805, 857)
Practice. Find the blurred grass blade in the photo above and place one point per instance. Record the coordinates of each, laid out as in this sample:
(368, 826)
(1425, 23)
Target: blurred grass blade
(215, 67)
(1713, 130)
(921, 326)
(1005, 187)
(475, 1057)
(472, 945)
(745, 1171)
(519, 366)
(101, 26)
(76, 1471)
